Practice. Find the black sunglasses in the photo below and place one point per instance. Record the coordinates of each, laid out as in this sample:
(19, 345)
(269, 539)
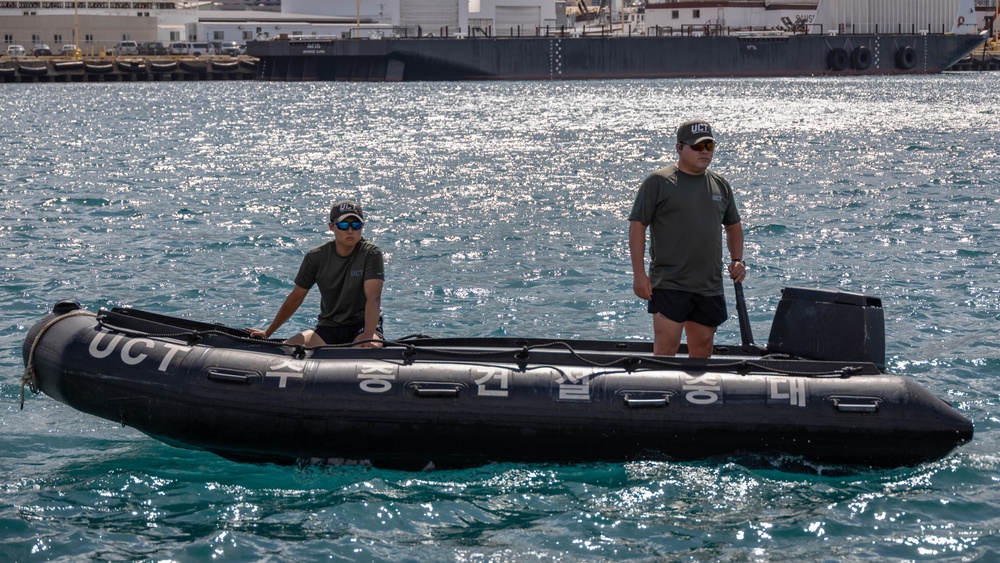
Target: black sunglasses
(704, 145)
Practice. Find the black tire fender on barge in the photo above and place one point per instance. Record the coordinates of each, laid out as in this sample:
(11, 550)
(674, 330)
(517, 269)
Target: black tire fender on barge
(837, 59)
(861, 58)
(906, 58)
(97, 68)
(33, 70)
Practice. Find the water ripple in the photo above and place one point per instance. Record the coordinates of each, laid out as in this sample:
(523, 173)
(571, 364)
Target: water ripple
(501, 207)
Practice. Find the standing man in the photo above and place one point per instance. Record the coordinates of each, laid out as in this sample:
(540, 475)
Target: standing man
(683, 205)
(349, 271)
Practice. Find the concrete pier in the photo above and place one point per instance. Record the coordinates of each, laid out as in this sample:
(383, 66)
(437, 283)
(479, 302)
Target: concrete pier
(126, 69)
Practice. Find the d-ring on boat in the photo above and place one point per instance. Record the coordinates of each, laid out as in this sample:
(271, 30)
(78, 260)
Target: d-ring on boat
(816, 390)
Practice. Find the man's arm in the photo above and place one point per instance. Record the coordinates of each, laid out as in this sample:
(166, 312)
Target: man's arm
(734, 241)
(285, 312)
(373, 308)
(637, 251)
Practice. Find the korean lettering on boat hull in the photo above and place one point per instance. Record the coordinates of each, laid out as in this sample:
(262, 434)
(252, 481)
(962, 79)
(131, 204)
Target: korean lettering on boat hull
(704, 389)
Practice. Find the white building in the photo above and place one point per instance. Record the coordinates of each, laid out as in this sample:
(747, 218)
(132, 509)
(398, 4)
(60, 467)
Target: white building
(734, 14)
(815, 16)
(242, 26)
(92, 28)
(895, 16)
(367, 18)
(458, 16)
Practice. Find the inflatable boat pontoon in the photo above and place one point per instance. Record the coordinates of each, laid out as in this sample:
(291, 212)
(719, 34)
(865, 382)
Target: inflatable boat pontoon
(817, 390)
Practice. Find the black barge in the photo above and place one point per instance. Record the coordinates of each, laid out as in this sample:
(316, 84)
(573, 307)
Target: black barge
(566, 57)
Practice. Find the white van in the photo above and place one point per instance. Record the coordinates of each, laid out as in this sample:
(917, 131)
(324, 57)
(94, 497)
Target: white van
(195, 49)
(178, 48)
(126, 48)
(199, 49)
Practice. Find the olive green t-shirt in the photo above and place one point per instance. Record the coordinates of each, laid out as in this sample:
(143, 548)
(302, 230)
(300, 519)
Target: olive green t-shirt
(684, 214)
(341, 280)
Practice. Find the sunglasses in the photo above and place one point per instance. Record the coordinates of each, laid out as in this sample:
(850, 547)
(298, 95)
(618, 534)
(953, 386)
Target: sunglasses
(344, 225)
(704, 145)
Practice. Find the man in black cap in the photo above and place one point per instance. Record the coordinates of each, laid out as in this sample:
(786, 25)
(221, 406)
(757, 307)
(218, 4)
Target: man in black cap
(349, 271)
(683, 206)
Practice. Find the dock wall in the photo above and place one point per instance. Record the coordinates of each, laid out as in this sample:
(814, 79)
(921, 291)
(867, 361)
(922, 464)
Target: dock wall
(132, 69)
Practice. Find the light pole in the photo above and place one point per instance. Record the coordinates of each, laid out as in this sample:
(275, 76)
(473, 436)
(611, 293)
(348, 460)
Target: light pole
(76, 29)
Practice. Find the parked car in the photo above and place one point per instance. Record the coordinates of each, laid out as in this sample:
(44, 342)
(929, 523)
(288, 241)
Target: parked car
(199, 49)
(195, 49)
(178, 48)
(68, 50)
(232, 49)
(127, 48)
(41, 50)
(15, 51)
(153, 48)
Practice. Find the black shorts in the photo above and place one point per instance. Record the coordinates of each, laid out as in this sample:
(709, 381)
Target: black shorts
(345, 334)
(680, 306)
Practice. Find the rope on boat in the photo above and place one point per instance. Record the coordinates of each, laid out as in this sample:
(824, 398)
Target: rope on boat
(628, 362)
(29, 378)
(194, 335)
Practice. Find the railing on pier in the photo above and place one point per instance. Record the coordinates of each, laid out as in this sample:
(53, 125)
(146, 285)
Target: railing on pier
(628, 30)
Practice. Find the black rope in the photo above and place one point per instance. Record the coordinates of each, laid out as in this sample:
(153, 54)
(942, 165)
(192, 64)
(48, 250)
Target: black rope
(30, 378)
(630, 363)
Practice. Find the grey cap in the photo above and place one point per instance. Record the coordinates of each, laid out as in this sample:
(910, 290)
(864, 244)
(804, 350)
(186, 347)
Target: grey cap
(694, 132)
(344, 210)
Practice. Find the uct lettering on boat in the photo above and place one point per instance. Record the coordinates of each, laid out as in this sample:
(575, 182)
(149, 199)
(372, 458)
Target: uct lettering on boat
(818, 391)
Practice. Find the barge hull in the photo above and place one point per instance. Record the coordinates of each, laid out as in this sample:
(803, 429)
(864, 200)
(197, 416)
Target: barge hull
(578, 58)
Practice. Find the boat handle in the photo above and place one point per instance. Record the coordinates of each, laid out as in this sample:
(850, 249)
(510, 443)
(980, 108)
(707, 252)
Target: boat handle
(230, 377)
(635, 403)
(855, 407)
(436, 392)
(869, 406)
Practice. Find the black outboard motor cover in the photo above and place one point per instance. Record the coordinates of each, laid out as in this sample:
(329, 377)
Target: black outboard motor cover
(829, 325)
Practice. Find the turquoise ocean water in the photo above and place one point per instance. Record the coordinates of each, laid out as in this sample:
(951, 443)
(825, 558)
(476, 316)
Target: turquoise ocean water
(501, 207)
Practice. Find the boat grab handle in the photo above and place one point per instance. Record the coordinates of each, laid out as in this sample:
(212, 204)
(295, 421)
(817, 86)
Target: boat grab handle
(431, 392)
(856, 405)
(637, 403)
(223, 376)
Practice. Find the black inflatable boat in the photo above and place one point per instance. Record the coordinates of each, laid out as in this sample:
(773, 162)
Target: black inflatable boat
(816, 390)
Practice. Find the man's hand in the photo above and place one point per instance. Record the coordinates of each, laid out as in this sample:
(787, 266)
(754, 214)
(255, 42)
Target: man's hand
(737, 271)
(372, 341)
(642, 286)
